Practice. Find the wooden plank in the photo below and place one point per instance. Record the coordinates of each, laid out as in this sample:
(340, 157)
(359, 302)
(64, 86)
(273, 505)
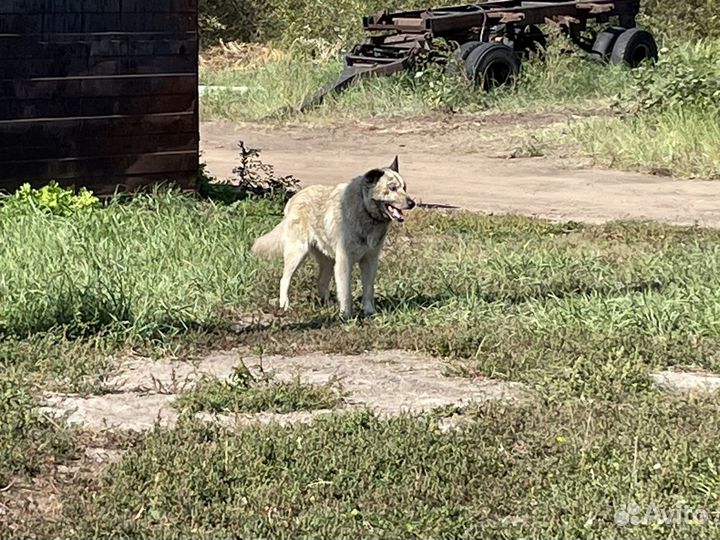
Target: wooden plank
(95, 46)
(99, 86)
(92, 145)
(79, 22)
(97, 6)
(69, 66)
(100, 106)
(90, 167)
(28, 132)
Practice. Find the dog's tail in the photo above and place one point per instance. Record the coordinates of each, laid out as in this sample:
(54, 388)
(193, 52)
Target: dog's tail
(269, 245)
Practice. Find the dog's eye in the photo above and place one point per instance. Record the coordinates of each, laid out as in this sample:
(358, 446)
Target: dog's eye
(392, 187)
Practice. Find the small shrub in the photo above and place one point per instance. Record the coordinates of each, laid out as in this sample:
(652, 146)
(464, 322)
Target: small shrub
(684, 76)
(52, 199)
(253, 179)
(690, 18)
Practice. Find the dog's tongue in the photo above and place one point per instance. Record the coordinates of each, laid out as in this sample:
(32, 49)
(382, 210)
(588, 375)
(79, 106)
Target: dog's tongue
(396, 214)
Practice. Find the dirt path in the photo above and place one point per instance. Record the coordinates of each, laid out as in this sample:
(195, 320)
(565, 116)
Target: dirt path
(466, 165)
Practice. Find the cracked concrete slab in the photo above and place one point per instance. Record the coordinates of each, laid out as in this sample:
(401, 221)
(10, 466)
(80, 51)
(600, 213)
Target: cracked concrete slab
(387, 382)
(686, 381)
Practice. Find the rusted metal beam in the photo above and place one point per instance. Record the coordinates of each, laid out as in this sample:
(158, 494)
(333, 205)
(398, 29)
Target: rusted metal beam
(595, 8)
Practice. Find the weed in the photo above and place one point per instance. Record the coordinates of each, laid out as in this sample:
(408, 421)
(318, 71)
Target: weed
(253, 180)
(516, 471)
(244, 393)
(51, 199)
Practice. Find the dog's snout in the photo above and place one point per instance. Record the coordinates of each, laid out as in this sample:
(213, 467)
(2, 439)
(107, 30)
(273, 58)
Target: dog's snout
(410, 204)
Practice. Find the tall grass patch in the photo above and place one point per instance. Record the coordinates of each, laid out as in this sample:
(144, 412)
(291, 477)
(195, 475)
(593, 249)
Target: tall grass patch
(274, 89)
(156, 264)
(669, 116)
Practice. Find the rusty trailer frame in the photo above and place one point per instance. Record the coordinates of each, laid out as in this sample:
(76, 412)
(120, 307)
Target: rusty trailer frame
(398, 40)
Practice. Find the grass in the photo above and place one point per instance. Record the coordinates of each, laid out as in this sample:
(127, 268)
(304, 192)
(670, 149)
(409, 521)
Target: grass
(154, 266)
(682, 141)
(679, 139)
(558, 470)
(582, 314)
(243, 393)
(28, 440)
(273, 88)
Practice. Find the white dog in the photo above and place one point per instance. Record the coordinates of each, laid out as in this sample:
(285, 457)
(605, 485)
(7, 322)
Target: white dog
(340, 226)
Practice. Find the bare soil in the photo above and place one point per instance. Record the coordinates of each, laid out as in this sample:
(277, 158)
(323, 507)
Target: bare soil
(469, 163)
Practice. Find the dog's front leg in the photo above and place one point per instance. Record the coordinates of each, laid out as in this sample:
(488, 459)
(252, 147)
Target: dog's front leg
(343, 282)
(368, 269)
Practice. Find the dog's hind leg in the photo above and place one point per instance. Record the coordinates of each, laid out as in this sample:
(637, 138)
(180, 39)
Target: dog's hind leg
(324, 276)
(343, 282)
(294, 255)
(368, 271)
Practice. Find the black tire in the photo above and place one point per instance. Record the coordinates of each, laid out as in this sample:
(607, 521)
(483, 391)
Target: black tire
(456, 64)
(462, 52)
(491, 65)
(604, 42)
(633, 47)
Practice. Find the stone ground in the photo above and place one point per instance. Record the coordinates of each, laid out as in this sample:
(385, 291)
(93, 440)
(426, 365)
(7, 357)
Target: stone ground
(141, 392)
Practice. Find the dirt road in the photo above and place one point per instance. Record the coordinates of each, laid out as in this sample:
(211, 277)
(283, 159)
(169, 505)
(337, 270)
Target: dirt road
(461, 165)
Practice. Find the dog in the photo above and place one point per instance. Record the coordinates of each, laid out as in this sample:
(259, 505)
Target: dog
(340, 226)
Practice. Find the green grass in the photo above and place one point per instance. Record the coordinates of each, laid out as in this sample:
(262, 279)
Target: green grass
(582, 314)
(681, 141)
(243, 393)
(557, 470)
(28, 440)
(560, 82)
(154, 266)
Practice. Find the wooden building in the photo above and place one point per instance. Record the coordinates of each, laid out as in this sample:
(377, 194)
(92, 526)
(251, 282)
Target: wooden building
(98, 93)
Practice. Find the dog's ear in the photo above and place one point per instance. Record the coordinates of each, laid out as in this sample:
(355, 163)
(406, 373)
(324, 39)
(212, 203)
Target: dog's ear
(395, 166)
(372, 176)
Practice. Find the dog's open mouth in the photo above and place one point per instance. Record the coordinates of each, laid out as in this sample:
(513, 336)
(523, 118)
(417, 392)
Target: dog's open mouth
(394, 213)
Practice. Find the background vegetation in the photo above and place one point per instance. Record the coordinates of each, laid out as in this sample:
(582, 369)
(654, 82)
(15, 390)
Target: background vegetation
(285, 21)
(662, 119)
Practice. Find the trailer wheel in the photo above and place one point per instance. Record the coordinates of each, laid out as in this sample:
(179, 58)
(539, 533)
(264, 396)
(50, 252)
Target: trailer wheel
(633, 47)
(462, 52)
(491, 65)
(604, 41)
(456, 63)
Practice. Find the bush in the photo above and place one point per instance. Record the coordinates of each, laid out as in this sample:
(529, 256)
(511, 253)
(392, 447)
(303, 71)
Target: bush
(51, 199)
(253, 180)
(690, 18)
(683, 76)
(340, 21)
(287, 21)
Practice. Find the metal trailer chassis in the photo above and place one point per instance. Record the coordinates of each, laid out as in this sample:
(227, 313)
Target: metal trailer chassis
(491, 38)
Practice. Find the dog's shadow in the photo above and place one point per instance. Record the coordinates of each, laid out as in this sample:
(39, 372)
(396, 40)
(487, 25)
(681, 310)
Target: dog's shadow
(328, 318)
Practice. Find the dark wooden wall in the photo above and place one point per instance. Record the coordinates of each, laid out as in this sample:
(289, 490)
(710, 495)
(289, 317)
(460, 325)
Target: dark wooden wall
(98, 93)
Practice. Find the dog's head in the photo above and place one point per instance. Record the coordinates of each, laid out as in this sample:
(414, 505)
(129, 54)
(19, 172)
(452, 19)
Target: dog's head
(385, 193)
